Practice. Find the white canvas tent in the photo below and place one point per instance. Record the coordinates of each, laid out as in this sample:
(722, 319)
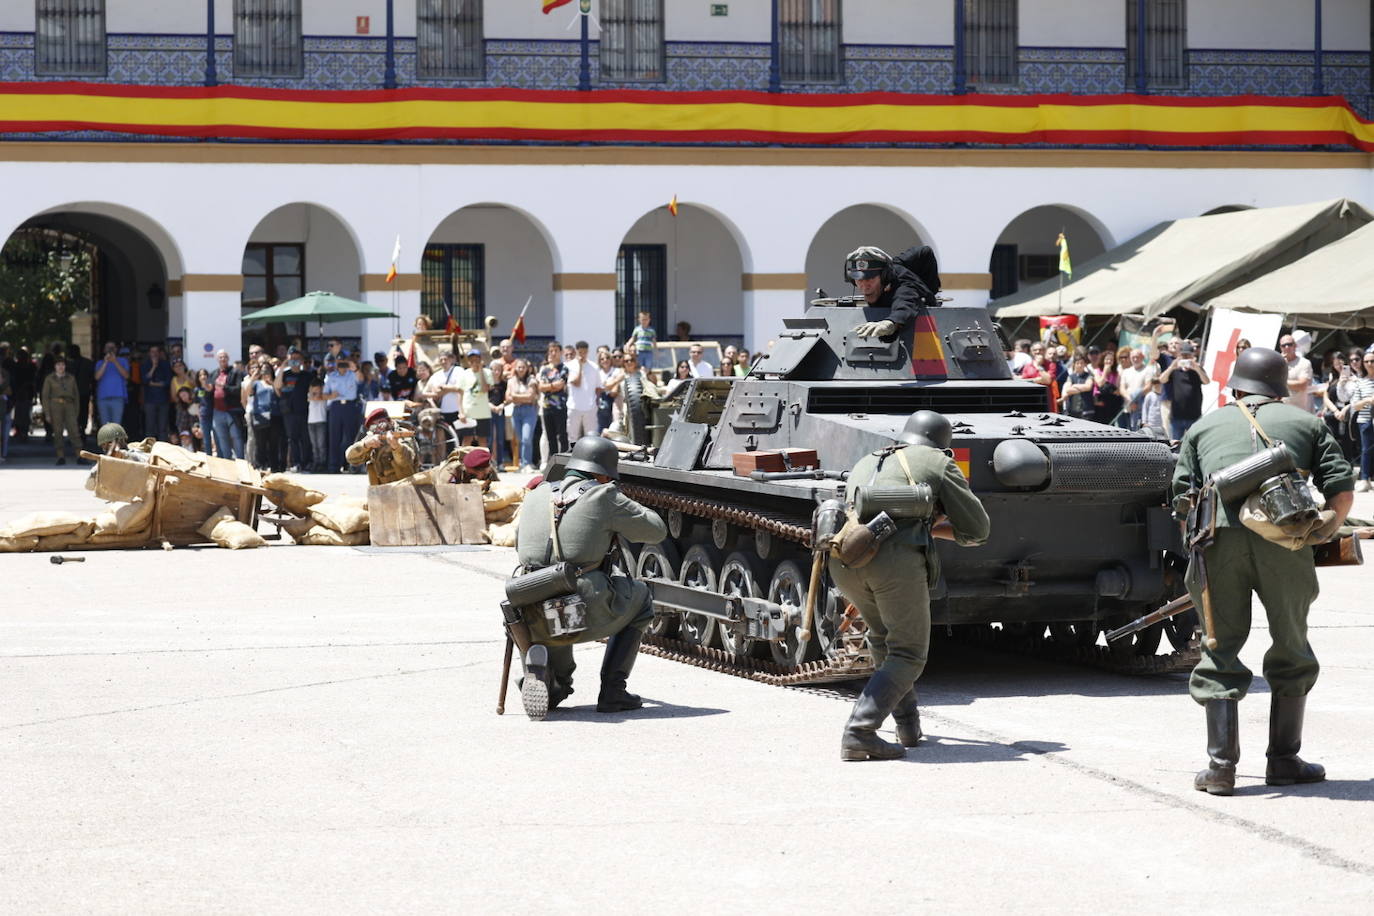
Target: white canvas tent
(1333, 287)
(1189, 261)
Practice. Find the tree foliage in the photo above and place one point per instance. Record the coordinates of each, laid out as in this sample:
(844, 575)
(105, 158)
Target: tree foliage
(45, 276)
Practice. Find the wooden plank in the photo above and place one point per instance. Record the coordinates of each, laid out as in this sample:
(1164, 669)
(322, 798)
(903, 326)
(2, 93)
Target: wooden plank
(416, 515)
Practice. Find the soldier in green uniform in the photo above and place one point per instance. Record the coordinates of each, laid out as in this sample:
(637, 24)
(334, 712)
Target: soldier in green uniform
(592, 511)
(893, 591)
(1240, 562)
(59, 398)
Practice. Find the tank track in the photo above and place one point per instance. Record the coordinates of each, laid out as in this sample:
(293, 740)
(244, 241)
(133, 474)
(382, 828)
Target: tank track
(850, 659)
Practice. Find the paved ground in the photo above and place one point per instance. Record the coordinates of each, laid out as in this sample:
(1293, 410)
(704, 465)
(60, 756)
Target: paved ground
(313, 730)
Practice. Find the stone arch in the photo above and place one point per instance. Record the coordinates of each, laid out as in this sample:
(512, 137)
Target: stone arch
(702, 256)
(887, 227)
(1026, 252)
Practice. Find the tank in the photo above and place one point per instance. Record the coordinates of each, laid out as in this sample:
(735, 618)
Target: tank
(1082, 538)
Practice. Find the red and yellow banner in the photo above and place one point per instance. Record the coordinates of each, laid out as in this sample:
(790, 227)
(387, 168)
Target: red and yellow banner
(961, 458)
(927, 356)
(644, 116)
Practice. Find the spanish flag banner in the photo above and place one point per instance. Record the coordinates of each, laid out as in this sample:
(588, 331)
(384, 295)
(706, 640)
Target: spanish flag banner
(672, 205)
(649, 116)
(551, 5)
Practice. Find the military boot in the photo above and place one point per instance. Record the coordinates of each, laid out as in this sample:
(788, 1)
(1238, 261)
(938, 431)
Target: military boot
(908, 719)
(1223, 747)
(1285, 767)
(861, 742)
(535, 686)
(621, 650)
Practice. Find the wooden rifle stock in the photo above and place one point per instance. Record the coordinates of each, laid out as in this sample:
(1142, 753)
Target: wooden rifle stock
(1340, 551)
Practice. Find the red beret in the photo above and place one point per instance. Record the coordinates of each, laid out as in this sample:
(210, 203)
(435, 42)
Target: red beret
(378, 414)
(535, 481)
(476, 458)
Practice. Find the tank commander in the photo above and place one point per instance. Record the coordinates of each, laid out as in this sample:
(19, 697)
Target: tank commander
(892, 592)
(574, 521)
(389, 456)
(889, 284)
(1239, 561)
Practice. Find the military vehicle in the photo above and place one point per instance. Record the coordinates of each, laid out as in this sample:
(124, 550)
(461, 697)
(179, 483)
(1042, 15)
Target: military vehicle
(1082, 538)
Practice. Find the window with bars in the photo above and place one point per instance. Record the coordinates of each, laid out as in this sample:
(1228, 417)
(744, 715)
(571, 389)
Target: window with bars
(267, 38)
(631, 47)
(990, 42)
(809, 41)
(1166, 44)
(69, 38)
(453, 276)
(641, 285)
(449, 39)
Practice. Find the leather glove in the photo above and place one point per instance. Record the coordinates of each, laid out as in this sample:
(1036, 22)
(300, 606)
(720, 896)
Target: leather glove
(882, 328)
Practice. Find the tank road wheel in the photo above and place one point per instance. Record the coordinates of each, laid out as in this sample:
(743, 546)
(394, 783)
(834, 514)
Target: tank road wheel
(737, 578)
(1075, 633)
(659, 561)
(698, 571)
(829, 612)
(1180, 628)
(788, 588)
(724, 535)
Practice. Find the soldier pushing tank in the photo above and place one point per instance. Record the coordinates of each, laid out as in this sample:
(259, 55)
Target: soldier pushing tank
(1231, 560)
(890, 586)
(566, 593)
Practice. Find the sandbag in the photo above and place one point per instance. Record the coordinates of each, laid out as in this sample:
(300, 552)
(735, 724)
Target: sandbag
(503, 515)
(227, 531)
(320, 536)
(337, 514)
(500, 495)
(106, 523)
(502, 535)
(290, 494)
(122, 518)
(17, 544)
(42, 524)
(298, 526)
(77, 536)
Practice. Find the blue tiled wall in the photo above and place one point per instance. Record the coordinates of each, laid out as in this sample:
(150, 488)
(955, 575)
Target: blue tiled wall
(359, 63)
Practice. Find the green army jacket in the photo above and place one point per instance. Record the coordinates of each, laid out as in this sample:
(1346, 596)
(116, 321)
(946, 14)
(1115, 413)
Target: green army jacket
(1224, 436)
(587, 527)
(952, 495)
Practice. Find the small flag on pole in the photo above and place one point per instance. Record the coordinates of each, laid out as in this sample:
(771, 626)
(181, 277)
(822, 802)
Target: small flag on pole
(451, 325)
(551, 5)
(395, 258)
(1064, 266)
(672, 205)
(518, 332)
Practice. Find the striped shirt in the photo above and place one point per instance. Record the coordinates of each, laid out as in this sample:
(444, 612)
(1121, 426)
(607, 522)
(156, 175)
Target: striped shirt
(1359, 389)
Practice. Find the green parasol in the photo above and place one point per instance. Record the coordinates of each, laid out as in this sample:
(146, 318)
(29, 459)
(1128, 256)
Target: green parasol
(318, 306)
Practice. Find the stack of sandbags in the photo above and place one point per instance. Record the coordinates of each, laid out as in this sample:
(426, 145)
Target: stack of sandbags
(339, 521)
(290, 494)
(28, 532)
(501, 502)
(227, 531)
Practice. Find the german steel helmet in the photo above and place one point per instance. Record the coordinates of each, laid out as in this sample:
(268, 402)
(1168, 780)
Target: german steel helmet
(595, 455)
(1260, 371)
(926, 427)
(111, 432)
(867, 261)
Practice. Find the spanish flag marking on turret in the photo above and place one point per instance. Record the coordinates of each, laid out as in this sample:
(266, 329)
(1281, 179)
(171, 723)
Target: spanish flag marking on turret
(927, 356)
(961, 458)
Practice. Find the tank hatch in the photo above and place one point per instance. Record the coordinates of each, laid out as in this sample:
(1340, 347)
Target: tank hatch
(940, 344)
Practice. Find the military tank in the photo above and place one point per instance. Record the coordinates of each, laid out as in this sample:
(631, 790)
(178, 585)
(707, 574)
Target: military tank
(1082, 538)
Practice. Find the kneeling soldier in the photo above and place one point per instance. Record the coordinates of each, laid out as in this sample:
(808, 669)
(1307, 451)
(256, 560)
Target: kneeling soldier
(892, 590)
(573, 521)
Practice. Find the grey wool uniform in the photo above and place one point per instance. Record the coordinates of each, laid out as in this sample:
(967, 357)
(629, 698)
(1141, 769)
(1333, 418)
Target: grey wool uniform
(1241, 562)
(585, 534)
(893, 591)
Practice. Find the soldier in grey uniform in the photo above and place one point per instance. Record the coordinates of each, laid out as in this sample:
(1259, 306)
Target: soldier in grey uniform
(893, 591)
(1240, 562)
(593, 512)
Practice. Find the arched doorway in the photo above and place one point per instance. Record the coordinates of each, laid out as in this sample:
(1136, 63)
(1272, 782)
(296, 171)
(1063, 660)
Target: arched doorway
(683, 269)
(1027, 252)
(295, 249)
(852, 227)
(489, 259)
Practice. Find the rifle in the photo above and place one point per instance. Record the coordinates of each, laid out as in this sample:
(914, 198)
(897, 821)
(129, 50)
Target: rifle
(517, 636)
(1179, 605)
(1202, 533)
(1339, 551)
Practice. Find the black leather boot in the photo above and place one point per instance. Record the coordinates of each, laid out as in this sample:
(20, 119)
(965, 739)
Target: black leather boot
(1223, 747)
(1285, 740)
(871, 709)
(621, 650)
(534, 687)
(908, 719)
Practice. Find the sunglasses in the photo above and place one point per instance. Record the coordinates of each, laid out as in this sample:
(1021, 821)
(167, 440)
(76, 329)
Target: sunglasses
(1288, 343)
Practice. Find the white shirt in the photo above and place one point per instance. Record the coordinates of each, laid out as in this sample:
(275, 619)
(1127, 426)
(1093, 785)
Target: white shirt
(1134, 380)
(583, 396)
(1018, 362)
(443, 379)
(702, 369)
(1300, 370)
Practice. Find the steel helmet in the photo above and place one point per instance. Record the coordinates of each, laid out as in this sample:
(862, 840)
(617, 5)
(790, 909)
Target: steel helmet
(1260, 371)
(926, 427)
(867, 261)
(111, 432)
(595, 455)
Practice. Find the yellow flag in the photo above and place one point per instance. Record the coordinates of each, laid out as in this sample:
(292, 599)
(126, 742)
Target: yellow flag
(1064, 266)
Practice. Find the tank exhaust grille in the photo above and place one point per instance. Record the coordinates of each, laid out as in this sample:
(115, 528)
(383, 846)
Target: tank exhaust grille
(1087, 467)
(945, 399)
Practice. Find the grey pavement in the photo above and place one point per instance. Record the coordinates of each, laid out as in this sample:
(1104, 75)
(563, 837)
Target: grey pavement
(312, 729)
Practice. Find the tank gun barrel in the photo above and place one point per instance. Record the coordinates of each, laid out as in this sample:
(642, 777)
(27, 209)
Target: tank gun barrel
(812, 474)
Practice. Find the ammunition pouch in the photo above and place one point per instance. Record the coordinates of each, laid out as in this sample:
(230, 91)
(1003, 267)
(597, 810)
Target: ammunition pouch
(915, 501)
(857, 543)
